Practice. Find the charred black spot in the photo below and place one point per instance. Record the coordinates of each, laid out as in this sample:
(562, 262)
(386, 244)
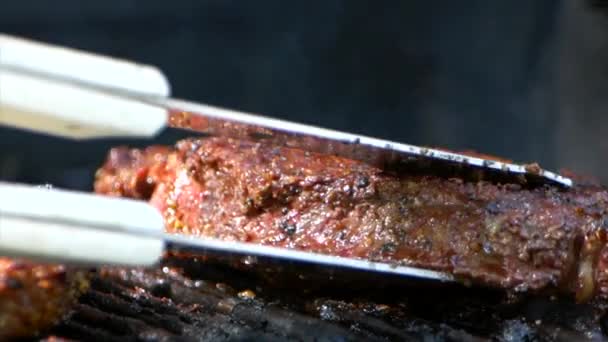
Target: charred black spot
(493, 208)
(293, 189)
(403, 205)
(249, 204)
(427, 244)
(256, 136)
(513, 187)
(388, 248)
(263, 198)
(288, 228)
(362, 182)
(402, 209)
(161, 290)
(605, 223)
(61, 276)
(13, 284)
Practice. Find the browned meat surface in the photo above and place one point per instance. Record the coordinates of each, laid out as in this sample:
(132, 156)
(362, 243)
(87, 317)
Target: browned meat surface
(499, 235)
(33, 297)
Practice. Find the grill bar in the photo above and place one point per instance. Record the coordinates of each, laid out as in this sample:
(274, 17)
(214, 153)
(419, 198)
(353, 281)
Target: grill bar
(174, 304)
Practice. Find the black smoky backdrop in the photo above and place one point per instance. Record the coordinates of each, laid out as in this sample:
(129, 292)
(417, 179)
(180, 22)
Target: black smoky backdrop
(522, 79)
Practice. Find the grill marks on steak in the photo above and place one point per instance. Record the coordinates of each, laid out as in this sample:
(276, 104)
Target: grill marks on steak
(498, 235)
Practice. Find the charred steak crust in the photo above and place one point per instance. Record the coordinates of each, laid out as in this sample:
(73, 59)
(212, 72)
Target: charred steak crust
(497, 235)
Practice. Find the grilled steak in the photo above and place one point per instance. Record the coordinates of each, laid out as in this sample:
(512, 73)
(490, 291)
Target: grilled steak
(501, 235)
(33, 297)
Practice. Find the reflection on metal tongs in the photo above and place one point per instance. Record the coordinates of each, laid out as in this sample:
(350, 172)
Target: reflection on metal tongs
(69, 93)
(126, 99)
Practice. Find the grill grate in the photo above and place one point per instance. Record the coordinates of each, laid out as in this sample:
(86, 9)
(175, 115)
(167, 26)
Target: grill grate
(171, 303)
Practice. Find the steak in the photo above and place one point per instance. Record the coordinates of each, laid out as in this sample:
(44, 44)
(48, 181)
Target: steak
(33, 297)
(499, 235)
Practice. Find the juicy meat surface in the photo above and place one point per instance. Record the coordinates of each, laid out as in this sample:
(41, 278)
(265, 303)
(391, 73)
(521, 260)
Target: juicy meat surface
(33, 297)
(504, 236)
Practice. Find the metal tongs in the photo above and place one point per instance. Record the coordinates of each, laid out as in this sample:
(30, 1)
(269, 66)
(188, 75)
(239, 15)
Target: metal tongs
(74, 94)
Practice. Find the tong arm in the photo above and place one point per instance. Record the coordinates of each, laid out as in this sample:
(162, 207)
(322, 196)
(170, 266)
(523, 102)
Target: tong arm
(102, 97)
(71, 227)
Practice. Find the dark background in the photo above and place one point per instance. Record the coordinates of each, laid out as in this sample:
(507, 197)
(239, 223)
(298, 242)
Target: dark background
(522, 79)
